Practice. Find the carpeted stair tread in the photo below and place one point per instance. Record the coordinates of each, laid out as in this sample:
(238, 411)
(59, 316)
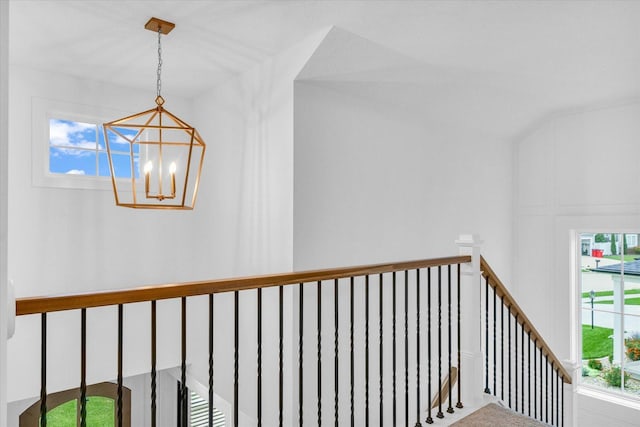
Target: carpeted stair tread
(495, 415)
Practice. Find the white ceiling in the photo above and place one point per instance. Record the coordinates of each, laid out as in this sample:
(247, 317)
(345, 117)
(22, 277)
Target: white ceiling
(509, 62)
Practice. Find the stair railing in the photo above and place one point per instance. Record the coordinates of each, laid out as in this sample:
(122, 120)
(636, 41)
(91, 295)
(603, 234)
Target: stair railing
(520, 367)
(418, 301)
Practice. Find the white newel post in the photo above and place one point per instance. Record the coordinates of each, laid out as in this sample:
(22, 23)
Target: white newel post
(471, 343)
(570, 397)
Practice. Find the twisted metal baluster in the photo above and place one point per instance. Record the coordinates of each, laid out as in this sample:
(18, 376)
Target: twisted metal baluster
(43, 370)
(406, 348)
(211, 341)
(381, 348)
(418, 424)
(300, 355)
(120, 365)
(319, 346)
(236, 354)
(487, 390)
(280, 355)
(153, 364)
(393, 339)
(459, 404)
(429, 419)
(439, 414)
(259, 357)
(450, 408)
(351, 361)
(83, 367)
(335, 348)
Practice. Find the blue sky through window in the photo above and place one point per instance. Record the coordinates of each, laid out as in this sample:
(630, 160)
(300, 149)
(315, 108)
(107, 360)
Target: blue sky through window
(77, 148)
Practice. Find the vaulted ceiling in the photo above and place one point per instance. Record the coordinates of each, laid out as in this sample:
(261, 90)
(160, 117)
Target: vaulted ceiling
(509, 63)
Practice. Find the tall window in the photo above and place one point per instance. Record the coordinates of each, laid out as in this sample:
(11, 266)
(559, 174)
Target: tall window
(610, 296)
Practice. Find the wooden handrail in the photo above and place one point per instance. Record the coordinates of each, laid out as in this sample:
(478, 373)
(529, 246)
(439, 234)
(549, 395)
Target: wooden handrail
(47, 304)
(501, 291)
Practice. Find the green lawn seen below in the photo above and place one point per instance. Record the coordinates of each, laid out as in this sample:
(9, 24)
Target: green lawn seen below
(627, 301)
(100, 413)
(596, 342)
(610, 293)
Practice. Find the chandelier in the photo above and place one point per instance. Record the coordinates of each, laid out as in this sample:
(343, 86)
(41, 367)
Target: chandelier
(155, 158)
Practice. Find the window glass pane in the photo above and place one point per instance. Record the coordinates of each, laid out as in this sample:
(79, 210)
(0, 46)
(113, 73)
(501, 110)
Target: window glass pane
(72, 147)
(67, 133)
(121, 165)
(610, 280)
(72, 161)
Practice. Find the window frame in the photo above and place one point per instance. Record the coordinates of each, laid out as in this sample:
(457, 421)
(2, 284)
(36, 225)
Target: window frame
(617, 396)
(43, 111)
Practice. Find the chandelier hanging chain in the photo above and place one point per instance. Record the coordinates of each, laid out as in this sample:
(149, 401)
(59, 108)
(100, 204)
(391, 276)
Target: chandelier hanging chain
(159, 81)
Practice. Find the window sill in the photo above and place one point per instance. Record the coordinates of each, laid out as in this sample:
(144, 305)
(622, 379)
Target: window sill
(617, 398)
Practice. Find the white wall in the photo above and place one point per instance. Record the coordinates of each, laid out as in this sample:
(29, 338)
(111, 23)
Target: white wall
(374, 184)
(566, 181)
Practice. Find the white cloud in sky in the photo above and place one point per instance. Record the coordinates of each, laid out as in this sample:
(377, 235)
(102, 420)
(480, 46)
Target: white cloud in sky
(75, 172)
(68, 133)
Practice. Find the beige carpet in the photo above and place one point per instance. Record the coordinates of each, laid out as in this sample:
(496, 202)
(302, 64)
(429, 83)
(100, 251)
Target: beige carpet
(495, 415)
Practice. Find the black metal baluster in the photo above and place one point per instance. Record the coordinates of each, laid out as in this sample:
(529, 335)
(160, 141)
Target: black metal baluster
(439, 414)
(185, 397)
(557, 396)
(546, 388)
(154, 347)
(351, 361)
(120, 365)
(381, 349)
(486, 336)
(495, 363)
(259, 361)
(459, 403)
(406, 348)
(529, 372)
(541, 385)
(562, 391)
(83, 367)
(502, 347)
(280, 355)
(429, 419)
(509, 354)
(366, 349)
(515, 358)
(43, 370)
(319, 348)
(551, 380)
(335, 352)
(418, 424)
(535, 378)
(211, 336)
(300, 360)
(236, 357)
(450, 408)
(522, 368)
(393, 346)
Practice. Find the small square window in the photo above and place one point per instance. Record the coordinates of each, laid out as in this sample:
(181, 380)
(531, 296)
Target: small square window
(69, 149)
(78, 148)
